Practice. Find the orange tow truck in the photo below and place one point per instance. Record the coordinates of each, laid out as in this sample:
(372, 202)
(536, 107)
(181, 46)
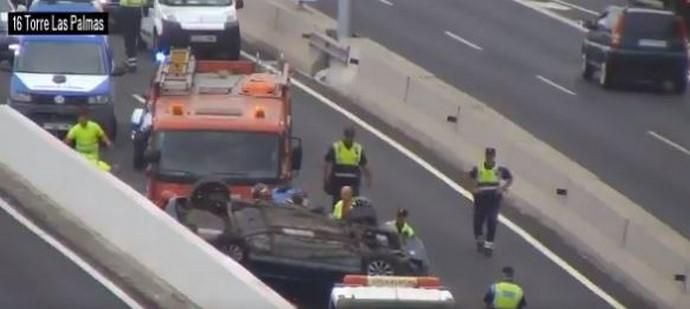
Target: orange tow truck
(210, 118)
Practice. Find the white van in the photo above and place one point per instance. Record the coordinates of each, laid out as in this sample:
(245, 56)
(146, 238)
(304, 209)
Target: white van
(387, 292)
(206, 25)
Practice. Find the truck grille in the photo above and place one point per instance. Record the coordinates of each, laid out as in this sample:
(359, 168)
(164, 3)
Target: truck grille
(69, 100)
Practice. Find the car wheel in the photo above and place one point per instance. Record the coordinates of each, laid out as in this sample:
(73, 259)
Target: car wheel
(234, 249)
(605, 76)
(380, 267)
(587, 68)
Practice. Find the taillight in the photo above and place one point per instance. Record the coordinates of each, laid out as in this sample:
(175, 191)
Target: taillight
(616, 34)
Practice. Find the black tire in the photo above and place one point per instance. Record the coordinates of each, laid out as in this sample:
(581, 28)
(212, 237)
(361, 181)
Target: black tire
(235, 47)
(232, 247)
(381, 265)
(587, 68)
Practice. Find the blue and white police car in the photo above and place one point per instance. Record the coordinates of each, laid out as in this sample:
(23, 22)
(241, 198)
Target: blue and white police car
(56, 76)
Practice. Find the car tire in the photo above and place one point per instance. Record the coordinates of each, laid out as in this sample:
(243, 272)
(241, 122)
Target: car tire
(381, 266)
(233, 248)
(587, 68)
(606, 76)
(235, 47)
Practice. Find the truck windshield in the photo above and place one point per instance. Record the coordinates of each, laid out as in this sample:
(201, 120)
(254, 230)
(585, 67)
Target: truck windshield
(197, 2)
(231, 155)
(55, 57)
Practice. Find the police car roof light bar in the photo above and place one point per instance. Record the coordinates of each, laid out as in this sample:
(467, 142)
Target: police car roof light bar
(392, 281)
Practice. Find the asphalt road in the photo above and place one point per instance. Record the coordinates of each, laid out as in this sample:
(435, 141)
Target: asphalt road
(618, 135)
(440, 215)
(35, 275)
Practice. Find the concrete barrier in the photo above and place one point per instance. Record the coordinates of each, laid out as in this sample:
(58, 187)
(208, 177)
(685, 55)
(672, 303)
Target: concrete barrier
(127, 221)
(622, 238)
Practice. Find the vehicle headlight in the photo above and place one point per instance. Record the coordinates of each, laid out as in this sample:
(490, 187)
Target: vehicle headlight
(99, 99)
(260, 242)
(168, 16)
(20, 97)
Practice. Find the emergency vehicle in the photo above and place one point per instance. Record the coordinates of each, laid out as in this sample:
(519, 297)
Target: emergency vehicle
(206, 25)
(55, 76)
(383, 292)
(215, 118)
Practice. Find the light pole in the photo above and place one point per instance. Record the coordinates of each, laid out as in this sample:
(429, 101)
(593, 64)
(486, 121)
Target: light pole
(344, 19)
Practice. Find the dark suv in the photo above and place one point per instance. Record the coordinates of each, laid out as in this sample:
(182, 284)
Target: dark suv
(636, 44)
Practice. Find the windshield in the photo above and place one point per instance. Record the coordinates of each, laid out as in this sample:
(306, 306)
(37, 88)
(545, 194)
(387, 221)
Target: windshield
(197, 2)
(651, 26)
(232, 155)
(61, 58)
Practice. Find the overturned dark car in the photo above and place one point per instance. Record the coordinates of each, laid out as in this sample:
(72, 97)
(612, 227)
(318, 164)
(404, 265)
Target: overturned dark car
(295, 244)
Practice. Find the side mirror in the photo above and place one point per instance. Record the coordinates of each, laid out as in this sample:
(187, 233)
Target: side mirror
(296, 155)
(152, 156)
(588, 24)
(239, 4)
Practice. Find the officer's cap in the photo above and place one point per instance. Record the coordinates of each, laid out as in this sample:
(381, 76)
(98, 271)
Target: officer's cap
(349, 132)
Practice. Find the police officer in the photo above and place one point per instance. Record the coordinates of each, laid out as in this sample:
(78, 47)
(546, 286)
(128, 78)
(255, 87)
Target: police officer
(342, 207)
(488, 191)
(129, 17)
(401, 226)
(505, 294)
(345, 161)
(86, 136)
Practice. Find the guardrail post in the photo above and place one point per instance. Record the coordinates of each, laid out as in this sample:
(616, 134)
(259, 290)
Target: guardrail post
(344, 19)
(625, 233)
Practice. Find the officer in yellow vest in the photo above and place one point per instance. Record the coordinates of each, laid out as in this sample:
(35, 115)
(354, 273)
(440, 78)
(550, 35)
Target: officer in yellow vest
(490, 182)
(86, 136)
(401, 225)
(129, 18)
(505, 294)
(343, 206)
(345, 162)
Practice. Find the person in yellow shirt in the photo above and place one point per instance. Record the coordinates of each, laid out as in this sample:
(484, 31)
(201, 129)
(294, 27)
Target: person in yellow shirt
(101, 165)
(341, 208)
(86, 136)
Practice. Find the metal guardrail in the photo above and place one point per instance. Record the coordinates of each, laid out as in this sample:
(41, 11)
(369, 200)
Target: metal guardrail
(330, 46)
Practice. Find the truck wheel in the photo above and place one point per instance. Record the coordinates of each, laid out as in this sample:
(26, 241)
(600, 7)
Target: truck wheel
(587, 68)
(235, 45)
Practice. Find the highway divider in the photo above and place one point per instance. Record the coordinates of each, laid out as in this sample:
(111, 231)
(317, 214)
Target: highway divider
(626, 241)
(129, 224)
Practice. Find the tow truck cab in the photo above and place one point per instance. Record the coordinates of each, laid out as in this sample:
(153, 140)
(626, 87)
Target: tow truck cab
(388, 292)
(54, 76)
(217, 118)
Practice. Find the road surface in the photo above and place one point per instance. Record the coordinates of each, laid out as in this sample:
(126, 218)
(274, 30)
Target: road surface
(33, 274)
(526, 66)
(440, 215)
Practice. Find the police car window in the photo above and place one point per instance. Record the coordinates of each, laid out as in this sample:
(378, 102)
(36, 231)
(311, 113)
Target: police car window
(74, 58)
(197, 2)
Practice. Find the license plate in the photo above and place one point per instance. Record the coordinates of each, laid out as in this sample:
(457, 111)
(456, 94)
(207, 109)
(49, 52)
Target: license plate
(57, 126)
(203, 38)
(652, 43)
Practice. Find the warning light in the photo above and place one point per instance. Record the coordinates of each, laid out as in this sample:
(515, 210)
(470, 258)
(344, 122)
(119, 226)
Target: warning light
(160, 57)
(259, 112)
(177, 109)
(390, 281)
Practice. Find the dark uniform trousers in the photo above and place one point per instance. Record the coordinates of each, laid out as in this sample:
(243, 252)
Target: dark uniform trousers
(130, 19)
(486, 209)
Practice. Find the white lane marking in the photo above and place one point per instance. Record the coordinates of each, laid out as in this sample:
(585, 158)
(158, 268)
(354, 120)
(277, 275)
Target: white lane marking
(129, 301)
(551, 6)
(577, 7)
(555, 85)
(386, 2)
(139, 98)
(461, 40)
(462, 191)
(669, 142)
(569, 22)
